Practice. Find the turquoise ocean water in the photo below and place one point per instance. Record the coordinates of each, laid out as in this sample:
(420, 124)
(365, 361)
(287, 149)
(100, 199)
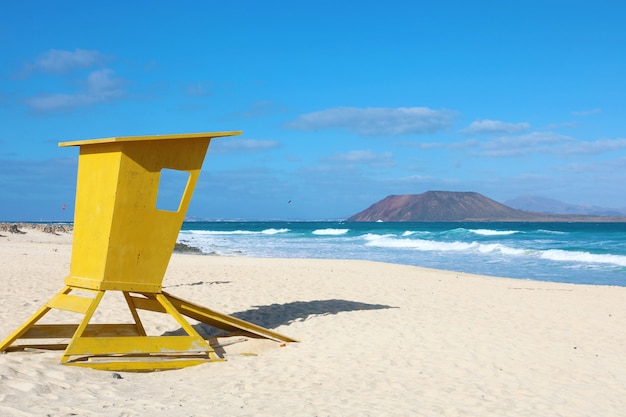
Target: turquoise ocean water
(582, 253)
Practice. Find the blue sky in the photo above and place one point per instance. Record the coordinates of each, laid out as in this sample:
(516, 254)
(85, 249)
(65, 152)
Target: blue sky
(340, 103)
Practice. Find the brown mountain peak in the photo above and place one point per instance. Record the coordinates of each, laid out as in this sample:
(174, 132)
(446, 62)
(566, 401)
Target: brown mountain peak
(440, 206)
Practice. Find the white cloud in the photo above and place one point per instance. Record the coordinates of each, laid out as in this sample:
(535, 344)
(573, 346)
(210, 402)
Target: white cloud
(493, 127)
(377, 121)
(595, 147)
(59, 62)
(539, 142)
(563, 125)
(586, 112)
(426, 145)
(366, 157)
(243, 145)
(100, 86)
(535, 142)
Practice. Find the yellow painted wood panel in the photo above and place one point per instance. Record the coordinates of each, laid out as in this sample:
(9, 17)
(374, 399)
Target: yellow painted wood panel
(136, 345)
(72, 303)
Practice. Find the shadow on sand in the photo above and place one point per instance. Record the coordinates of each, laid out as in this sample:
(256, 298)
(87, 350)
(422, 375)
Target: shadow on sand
(274, 315)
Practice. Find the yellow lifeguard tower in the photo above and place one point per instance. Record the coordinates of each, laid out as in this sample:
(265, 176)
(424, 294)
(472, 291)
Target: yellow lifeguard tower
(123, 242)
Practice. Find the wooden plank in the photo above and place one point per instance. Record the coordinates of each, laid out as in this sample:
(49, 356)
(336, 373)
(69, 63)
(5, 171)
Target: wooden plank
(136, 345)
(50, 331)
(223, 321)
(149, 304)
(71, 303)
(17, 333)
(133, 311)
(37, 347)
(142, 366)
(110, 330)
(66, 331)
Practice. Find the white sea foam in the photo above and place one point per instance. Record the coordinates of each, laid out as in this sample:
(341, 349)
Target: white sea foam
(586, 257)
(497, 247)
(489, 232)
(221, 232)
(375, 236)
(518, 252)
(270, 231)
(274, 231)
(389, 241)
(330, 232)
(551, 232)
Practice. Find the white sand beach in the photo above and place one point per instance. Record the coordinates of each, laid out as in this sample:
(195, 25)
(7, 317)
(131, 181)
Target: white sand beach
(375, 340)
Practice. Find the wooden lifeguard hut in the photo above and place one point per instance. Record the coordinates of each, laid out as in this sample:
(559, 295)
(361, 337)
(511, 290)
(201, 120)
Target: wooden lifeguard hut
(122, 242)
